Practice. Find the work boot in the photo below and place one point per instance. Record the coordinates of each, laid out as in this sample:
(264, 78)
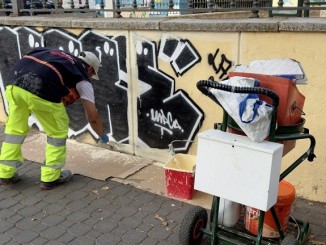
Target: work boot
(12, 180)
(65, 177)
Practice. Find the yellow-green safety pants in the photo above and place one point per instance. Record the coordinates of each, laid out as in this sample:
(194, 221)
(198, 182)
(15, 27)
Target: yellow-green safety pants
(55, 122)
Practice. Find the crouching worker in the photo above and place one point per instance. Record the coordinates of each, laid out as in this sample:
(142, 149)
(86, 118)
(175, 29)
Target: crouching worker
(42, 83)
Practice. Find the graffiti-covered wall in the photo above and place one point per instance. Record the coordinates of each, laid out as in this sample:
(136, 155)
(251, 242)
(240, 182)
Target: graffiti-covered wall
(147, 95)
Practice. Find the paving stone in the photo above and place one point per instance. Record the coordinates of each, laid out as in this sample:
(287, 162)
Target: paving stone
(126, 211)
(78, 195)
(79, 229)
(54, 208)
(134, 236)
(92, 234)
(52, 197)
(149, 207)
(101, 214)
(7, 203)
(17, 207)
(31, 190)
(113, 239)
(99, 203)
(5, 226)
(6, 213)
(145, 227)
(42, 204)
(130, 222)
(164, 243)
(77, 216)
(66, 238)
(89, 198)
(150, 241)
(4, 238)
(53, 219)
(81, 240)
(13, 231)
(4, 192)
(93, 185)
(27, 223)
(76, 205)
(39, 227)
(160, 233)
(31, 200)
(135, 204)
(26, 236)
(119, 231)
(120, 190)
(54, 242)
(145, 197)
(16, 218)
(92, 221)
(53, 232)
(66, 224)
(115, 218)
(124, 200)
(29, 210)
(39, 241)
(13, 243)
(105, 226)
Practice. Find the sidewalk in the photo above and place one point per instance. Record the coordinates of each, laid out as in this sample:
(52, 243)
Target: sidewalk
(89, 211)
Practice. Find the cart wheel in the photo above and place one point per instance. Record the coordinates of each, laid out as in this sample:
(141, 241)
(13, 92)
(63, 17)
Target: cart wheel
(191, 225)
(290, 240)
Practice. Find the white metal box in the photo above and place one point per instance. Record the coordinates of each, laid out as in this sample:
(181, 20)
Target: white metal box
(233, 167)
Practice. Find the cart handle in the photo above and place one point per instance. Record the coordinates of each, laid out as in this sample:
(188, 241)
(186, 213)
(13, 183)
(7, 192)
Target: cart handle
(205, 85)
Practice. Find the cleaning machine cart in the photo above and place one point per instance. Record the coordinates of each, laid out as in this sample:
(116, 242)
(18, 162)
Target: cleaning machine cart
(193, 226)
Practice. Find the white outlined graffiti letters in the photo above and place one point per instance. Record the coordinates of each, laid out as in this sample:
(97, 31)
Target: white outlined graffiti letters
(63, 40)
(179, 53)
(28, 39)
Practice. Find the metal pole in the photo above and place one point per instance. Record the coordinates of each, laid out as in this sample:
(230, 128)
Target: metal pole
(118, 7)
(15, 9)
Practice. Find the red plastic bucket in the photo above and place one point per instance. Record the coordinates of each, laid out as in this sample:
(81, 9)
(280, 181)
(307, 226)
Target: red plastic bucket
(180, 176)
(285, 198)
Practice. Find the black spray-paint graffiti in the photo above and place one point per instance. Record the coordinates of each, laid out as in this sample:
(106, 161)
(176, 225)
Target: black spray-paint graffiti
(223, 67)
(179, 53)
(164, 114)
(110, 90)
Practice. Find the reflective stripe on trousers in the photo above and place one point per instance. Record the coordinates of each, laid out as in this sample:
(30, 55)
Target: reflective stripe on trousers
(11, 156)
(54, 120)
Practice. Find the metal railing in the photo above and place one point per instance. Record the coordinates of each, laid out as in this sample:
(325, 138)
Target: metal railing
(153, 8)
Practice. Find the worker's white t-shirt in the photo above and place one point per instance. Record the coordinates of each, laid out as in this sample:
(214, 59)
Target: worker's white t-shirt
(86, 91)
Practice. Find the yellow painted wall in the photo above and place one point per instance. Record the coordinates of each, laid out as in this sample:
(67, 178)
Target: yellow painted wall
(309, 179)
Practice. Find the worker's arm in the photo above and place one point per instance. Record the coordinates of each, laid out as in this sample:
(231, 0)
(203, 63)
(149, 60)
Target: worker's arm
(93, 117)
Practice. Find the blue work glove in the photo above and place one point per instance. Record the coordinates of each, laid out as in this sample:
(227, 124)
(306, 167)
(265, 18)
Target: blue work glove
(104, 139)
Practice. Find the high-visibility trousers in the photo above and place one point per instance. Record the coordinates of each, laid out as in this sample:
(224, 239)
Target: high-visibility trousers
(55, 122)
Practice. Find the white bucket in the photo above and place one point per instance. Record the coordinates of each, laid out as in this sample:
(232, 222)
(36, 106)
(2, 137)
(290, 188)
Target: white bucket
(229, 213)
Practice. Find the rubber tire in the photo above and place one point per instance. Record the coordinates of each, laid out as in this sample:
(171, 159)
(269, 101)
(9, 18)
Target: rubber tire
(290, 240)
(194, 220)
